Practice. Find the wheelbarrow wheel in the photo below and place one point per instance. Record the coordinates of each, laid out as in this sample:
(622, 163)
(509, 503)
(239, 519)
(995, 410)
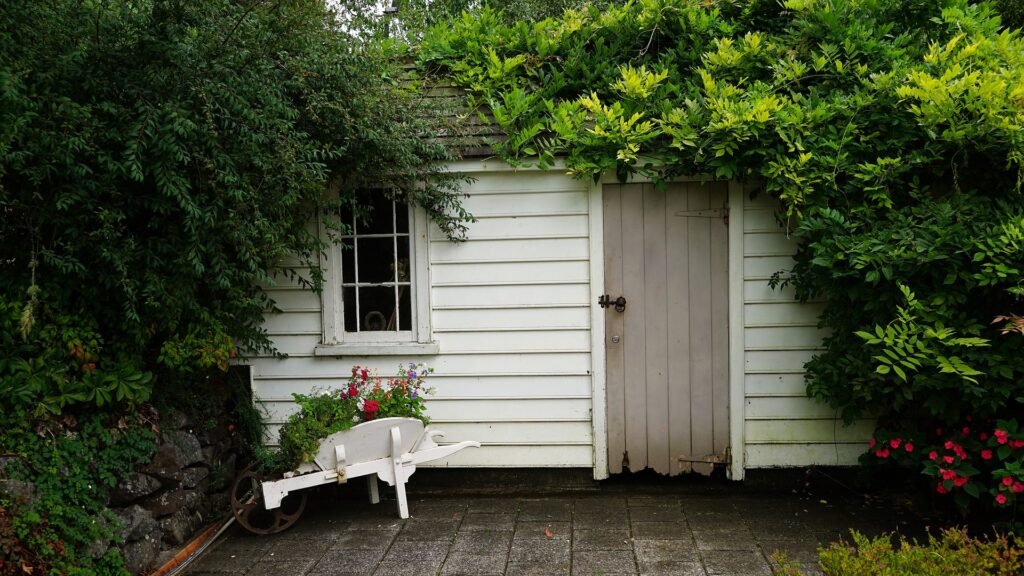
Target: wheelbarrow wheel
(248, 507)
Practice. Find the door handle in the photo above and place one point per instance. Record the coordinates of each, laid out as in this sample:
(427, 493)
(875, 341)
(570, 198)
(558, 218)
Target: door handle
(619, 303)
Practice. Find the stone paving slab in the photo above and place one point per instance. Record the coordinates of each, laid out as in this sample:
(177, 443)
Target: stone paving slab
(604, 534)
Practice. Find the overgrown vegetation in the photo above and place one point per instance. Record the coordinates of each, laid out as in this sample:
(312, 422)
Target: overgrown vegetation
(57, 522)
(891, 131)
(952, 552)
(160, 161)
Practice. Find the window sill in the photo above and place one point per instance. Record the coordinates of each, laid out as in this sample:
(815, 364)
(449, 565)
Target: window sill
(377, 349)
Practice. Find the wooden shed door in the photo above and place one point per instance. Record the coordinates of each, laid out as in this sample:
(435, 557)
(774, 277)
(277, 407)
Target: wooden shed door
(666, 253)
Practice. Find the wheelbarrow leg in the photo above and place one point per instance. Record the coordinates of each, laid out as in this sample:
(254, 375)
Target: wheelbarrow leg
(399, 472)
(371, 485)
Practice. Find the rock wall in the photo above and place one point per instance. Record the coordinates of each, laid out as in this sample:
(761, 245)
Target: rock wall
(183, 489)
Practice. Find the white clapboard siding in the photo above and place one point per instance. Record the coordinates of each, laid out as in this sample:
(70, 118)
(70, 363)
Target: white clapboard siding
(510, 312)
(783, 427)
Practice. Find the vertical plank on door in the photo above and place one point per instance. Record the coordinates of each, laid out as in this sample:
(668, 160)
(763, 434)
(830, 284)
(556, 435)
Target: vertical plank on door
(719, 333)
(614, 363)
(678, 313)
(701, 392)
(633, 337)
(656, 330)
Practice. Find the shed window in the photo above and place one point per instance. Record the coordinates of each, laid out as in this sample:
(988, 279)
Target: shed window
(376, 292)
(376, 276)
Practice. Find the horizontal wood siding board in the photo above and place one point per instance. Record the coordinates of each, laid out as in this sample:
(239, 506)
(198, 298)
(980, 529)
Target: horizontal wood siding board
(514, 341)
(293, 323)
(554, 456)
(455, 273)
(511, 227)
(497, 385)
(295, 300)
(511, 318)
(559, 294)
(783, 337)
(803, 454)
(786, 408)
(485, 410)
(534, 203)
(806, 430)
(781, 314)
(499, 250)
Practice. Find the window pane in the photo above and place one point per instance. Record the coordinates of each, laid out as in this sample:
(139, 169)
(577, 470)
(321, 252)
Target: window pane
(348, 262)
(405, 307)
(376, 256)
(401, 218)
(380, 217)
(348, 296)
(377, 308)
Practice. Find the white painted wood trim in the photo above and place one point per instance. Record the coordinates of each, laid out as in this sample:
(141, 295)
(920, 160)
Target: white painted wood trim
(381, 349)
(330, 296)
(421, 295)
(599, 412)
(736, 333)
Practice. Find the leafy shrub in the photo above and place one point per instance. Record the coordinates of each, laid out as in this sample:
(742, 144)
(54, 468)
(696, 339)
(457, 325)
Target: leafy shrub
(953, 552)
(160, 161)
(366, 397)
(65, 527)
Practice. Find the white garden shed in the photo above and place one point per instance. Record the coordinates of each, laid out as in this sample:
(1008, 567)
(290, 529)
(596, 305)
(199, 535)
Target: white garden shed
(704, 361)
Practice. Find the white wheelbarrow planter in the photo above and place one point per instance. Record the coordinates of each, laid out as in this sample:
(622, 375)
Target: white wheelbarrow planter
(388, 448)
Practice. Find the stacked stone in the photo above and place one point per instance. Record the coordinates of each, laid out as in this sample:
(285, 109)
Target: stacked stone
(165, 502)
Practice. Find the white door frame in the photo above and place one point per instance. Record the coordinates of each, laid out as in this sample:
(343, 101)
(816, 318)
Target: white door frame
(597, 326)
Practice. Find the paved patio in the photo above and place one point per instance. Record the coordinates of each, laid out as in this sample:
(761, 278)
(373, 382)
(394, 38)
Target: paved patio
(606, 533)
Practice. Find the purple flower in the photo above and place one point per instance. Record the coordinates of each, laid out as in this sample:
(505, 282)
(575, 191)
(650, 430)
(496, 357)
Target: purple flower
(414, 394)
(412, 374)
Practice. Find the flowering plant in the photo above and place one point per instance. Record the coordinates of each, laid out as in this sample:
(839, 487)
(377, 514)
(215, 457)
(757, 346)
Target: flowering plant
(367, 396)
(984, 462)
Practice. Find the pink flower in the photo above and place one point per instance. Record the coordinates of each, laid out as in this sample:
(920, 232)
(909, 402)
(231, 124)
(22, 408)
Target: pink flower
(909, 446)
(949, 445)
(983, 436)
(948, 459)
(895, 442)
(960, 481)
(1017, 444)
(966, 431)
(1000, 436)
(947, 474)
(1007, 480)
(986, 454)
(1001, 498)
(1017, 487)
(882, 453)
(871, 443)
(933, 455)
(940, 488)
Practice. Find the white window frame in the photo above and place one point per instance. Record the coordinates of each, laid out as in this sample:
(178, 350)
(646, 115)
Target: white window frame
(417, 341)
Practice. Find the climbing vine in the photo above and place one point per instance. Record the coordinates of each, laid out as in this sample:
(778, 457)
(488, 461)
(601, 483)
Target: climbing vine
(891, 132)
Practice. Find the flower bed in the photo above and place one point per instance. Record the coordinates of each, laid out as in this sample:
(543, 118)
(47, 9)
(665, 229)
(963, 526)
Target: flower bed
(367, 396)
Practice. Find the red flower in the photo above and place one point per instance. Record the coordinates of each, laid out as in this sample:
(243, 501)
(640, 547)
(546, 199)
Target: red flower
(960, 481)
(938, 431)
(1007, 480)
(986, 454)
(1017, 487)
(940, 488)
(895, 442)
(967, 431)
(1017, 444)
(933, 455)
(1001, 498)
(1000, 436)
(949, 445)
(871, 443)
(947, 474)
(882, 453)
(983, 436)
(370, 407)
(909, 446)
(948, 459)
